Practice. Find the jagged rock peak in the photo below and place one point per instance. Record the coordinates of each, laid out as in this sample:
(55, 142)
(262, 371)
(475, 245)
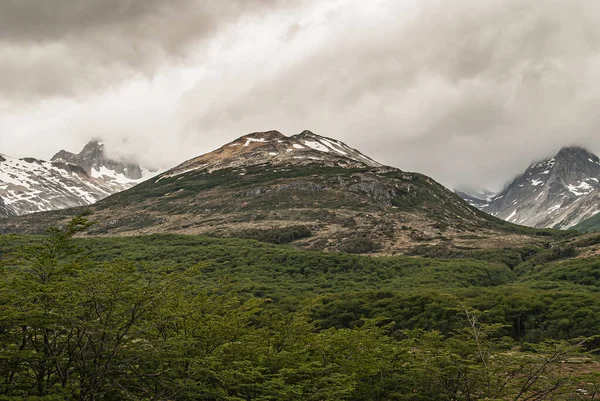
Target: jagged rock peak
(94, 161)
(575, 151)
(306, 133)
(575, 154)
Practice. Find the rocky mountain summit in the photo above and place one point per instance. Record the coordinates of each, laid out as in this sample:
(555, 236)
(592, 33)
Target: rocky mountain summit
(274, 148)
(314, 190)
(94, 161)
(558, 192)
(29, 185)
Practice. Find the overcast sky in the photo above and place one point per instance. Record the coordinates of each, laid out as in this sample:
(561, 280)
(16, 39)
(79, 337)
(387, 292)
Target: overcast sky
(466, 91)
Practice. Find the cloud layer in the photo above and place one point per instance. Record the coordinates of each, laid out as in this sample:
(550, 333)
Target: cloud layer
(466, 91)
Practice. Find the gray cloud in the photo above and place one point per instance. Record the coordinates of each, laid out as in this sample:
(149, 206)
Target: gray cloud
(68, 48)
(467, 91)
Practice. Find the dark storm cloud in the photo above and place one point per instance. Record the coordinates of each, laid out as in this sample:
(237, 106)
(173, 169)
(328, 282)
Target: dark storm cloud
(67, 48)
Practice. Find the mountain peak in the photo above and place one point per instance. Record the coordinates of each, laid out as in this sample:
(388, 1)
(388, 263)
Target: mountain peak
(307, 134)
(557, 192)
(575, 151)
(94, 161)
(258, 138)
(274, 148)
(267, 181)
(94, 144)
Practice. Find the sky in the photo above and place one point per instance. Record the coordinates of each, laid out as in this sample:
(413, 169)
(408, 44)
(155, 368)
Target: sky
(469, 92)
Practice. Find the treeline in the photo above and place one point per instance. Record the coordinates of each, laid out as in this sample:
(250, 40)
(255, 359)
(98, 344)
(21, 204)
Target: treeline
(75, 329)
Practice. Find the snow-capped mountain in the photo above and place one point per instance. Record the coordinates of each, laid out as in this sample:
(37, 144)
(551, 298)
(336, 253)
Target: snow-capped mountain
(95, 163)
(558, 192)
(30, 185)
(274, 148)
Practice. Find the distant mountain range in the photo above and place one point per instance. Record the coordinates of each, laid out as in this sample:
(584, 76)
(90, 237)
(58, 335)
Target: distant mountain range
(316, 190)
(561, 191)
(29, 185)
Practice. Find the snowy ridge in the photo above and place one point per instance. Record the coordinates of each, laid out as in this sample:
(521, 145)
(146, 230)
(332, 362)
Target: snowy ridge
(30, 185)
(558, 192)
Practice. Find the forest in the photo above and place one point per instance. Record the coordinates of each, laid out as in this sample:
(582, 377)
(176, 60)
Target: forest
(170, 317)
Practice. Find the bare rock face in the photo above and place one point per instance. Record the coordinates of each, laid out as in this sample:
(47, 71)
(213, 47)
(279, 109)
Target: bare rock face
(30, 185)
(558, 192)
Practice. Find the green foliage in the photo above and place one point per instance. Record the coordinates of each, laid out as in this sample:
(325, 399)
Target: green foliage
(283, 235)
(358, 245)
(555, 253)
(584, 272)
(511, 257)
(586, 241)
(109, 319)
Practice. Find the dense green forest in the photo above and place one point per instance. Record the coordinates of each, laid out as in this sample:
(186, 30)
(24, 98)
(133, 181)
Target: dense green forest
(167, 317)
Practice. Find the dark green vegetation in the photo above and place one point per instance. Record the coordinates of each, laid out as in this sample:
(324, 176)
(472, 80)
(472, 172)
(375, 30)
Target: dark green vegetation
(284, 235)
(171, 317)
(589, 225)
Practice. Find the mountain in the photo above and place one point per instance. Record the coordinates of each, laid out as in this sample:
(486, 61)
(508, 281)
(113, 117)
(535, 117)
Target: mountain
(312, 190)
(558, 192)
(30, 185)
(97, 165)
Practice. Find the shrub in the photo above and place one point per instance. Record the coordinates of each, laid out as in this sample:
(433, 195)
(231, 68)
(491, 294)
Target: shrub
(359, 245)
(283, 235)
